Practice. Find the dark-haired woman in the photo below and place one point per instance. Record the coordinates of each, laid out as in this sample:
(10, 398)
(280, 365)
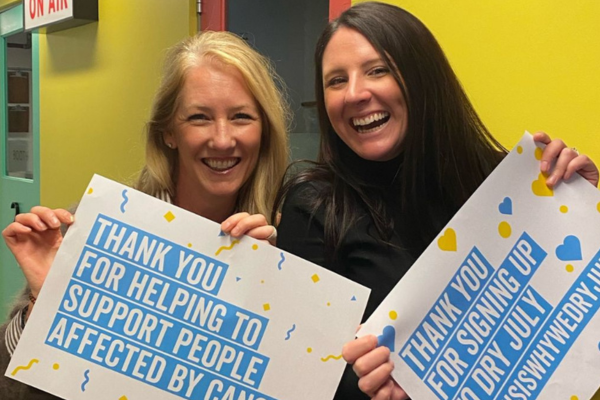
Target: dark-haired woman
(402, 149)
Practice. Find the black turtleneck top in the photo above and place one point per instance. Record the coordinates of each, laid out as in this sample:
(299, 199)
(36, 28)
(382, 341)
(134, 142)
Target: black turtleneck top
(363, 255)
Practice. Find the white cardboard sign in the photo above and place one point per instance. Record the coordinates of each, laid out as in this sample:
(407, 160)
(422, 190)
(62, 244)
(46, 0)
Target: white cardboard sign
(39, 13)
(148, 301)
(503, 305)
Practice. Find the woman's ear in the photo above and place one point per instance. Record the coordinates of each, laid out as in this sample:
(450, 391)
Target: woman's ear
(169, 140)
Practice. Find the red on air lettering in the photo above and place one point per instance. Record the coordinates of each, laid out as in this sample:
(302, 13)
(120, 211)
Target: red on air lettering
(36, 8)
(57, 5)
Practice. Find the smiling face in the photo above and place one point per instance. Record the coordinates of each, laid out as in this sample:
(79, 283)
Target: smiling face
(363, 100)
(216, 132)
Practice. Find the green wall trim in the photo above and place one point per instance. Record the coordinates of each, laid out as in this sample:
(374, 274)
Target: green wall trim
(11, 21)
(12, 189)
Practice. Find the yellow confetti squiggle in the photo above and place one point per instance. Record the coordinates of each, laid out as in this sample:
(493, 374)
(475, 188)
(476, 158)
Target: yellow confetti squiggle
(227, 247)
(331, 356)
(25, 368)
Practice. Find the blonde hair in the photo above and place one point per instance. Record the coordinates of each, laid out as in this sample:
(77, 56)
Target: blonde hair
(258, 193)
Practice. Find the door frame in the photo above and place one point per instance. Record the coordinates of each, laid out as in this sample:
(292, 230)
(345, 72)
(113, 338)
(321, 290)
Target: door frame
(26, 192)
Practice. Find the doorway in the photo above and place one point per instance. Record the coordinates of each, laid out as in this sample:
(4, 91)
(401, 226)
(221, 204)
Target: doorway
(19, 137)
(287, 32)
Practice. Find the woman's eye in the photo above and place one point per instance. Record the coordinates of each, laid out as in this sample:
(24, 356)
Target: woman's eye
(379, 71)
(243, 116)
(197, 117)
(338, 80)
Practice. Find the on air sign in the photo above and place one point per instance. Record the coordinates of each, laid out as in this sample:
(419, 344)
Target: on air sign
(45, 12)
(58, 15)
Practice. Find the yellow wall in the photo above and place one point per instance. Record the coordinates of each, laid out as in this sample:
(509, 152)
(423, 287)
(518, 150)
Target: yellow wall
(96, 87)
(8, 3)
(526, 65)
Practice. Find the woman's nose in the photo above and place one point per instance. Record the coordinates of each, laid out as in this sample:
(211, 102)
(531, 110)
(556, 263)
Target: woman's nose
(357, 91)
(222, 138)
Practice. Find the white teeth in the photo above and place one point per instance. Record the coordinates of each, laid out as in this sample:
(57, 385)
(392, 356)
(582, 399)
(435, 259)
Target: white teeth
(220, 165)
(363, 130)
(370, 119)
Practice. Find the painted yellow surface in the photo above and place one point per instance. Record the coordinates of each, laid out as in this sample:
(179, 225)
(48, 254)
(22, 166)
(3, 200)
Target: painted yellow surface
(526, 65)
(96, 87)
(193, 17)
(8, 3)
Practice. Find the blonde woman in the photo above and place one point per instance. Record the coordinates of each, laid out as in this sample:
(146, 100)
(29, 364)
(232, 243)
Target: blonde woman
(216, 145)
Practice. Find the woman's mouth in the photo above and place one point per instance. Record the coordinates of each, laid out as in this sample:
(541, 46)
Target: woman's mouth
(370, 123)
(221, 164)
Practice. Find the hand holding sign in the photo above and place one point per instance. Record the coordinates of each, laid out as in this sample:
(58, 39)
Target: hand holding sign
(496, 308)
(192, 315)
(34, 239)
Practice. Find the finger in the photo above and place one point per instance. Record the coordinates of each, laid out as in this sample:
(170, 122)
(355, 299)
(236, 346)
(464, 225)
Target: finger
(32, 221)
(232, 221)
(390, 391)
(541, 137)
(52, 218)
(371, 382)
(64, 216)
(385, 391)
(580, 163)
(551, 153)
(358, 347)
(14, 229)
(261, 233)
(397, 392)
(38, 210)
(371, 361)
(564, 158)
(245, 225)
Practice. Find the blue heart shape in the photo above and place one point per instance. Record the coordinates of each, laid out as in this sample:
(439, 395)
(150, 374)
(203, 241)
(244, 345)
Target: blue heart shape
(506, 206)
(387, 338)
(570, 250)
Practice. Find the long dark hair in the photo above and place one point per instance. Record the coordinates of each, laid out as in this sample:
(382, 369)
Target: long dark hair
(447, 151)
